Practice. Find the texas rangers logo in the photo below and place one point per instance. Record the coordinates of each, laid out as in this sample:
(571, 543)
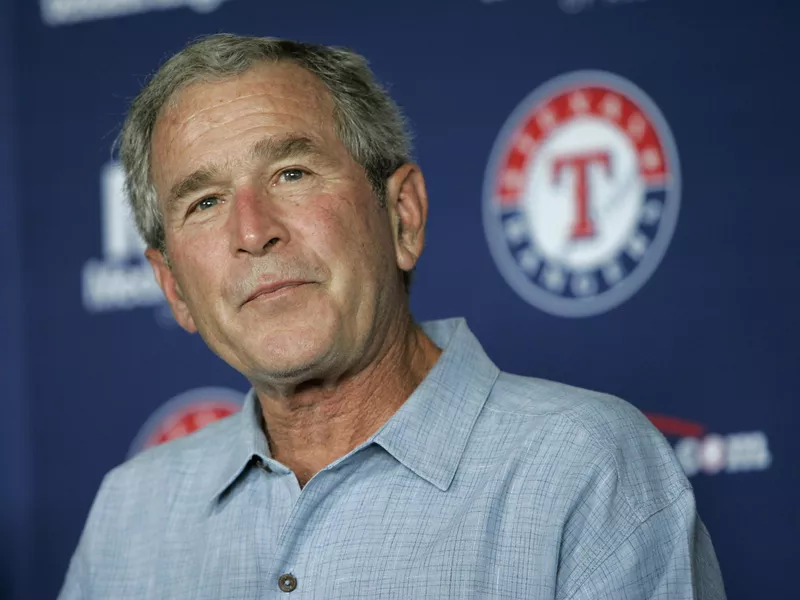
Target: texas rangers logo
(582, 194)
(186, 413)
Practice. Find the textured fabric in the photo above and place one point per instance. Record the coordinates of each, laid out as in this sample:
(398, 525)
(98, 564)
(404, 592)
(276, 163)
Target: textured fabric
(482, 485)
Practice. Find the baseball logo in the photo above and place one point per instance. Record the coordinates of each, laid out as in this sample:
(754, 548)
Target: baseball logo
(582, 193)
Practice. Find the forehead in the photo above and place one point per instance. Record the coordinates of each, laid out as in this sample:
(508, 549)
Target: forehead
(270, 97)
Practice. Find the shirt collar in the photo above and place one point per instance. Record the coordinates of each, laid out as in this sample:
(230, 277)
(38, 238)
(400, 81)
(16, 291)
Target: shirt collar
(428, 434)
(250, 444)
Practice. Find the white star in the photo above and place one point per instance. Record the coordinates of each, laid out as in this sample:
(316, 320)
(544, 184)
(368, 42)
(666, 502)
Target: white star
(636, 126)
(579, 103)
(651, 212)
(554, 279)
(611, 107)
(546, 119)
(651, 159)
(515, 230)
(637, 246)
(513, 180)
(528, 261)
(583, 284)
(525, 143)
(612, 272)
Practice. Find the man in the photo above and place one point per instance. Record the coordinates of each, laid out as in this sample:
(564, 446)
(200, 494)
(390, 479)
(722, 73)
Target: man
(373, 458)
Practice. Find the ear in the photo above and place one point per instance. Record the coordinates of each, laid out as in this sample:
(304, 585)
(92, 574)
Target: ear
(172, 291)
(407, 202)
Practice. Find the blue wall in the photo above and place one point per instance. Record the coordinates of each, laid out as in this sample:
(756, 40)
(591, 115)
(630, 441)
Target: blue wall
(706, 345)
(15, 443)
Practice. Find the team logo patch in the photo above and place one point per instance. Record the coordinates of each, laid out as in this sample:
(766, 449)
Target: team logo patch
(186, 413)
(582, 194)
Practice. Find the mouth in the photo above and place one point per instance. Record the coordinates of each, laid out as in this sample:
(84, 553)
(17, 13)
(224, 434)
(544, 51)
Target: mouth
(274, 290)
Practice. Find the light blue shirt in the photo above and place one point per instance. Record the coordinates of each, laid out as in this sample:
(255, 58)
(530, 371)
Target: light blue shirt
(482, 485)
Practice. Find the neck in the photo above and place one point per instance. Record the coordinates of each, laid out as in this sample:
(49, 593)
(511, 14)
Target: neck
(320, 422)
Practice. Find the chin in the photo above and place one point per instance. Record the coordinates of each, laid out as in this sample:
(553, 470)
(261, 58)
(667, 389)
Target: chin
(294, 354)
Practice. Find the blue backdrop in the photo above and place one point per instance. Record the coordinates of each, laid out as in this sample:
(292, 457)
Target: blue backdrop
(93, 368)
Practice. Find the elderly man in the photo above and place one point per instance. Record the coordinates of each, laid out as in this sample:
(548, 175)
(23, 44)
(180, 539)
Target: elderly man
(373, 458)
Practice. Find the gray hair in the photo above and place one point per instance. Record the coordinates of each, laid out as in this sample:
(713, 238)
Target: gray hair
(366, 119)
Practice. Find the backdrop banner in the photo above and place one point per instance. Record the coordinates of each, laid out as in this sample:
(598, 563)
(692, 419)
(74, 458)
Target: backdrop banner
(611, 186)
(16, 447)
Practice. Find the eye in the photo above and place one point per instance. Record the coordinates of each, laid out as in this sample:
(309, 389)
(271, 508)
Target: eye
(205, 203)
(290, 175)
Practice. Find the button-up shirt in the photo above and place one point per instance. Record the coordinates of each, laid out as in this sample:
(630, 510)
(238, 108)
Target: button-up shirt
(482, 485)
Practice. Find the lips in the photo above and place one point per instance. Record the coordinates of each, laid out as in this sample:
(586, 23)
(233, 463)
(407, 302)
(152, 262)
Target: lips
(273, 288)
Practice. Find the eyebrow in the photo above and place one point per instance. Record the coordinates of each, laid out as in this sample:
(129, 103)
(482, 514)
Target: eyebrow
(267, 150)
(276, 149)
(196, 181)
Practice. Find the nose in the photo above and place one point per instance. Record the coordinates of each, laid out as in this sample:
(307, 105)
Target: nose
(254, 225)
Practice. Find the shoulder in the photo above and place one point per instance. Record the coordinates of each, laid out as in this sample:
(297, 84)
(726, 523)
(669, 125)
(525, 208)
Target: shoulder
(624, 510)
(152, 479)
(591, 432)
(168, 486)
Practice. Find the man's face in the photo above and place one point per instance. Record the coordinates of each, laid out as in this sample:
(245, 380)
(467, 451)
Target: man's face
(281, 255)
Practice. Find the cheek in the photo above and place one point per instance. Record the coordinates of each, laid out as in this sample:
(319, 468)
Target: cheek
(368, 257)
(345, 235)
(198, 267)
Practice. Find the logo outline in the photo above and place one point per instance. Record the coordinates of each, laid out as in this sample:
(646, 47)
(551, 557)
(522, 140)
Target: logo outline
(510, 270)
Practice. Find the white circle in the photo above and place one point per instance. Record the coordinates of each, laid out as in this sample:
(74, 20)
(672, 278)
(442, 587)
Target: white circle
(617, 194)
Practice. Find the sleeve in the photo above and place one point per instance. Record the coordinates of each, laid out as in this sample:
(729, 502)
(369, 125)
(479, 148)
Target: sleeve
(77, 583)
(669, 556)
(632, 531)
(72, 589)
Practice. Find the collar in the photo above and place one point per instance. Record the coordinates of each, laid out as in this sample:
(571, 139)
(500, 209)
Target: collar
(250, 445)
(429, 432)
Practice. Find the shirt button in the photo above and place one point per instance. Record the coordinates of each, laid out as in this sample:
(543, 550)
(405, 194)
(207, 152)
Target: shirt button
(287, 582)
(260, 464)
